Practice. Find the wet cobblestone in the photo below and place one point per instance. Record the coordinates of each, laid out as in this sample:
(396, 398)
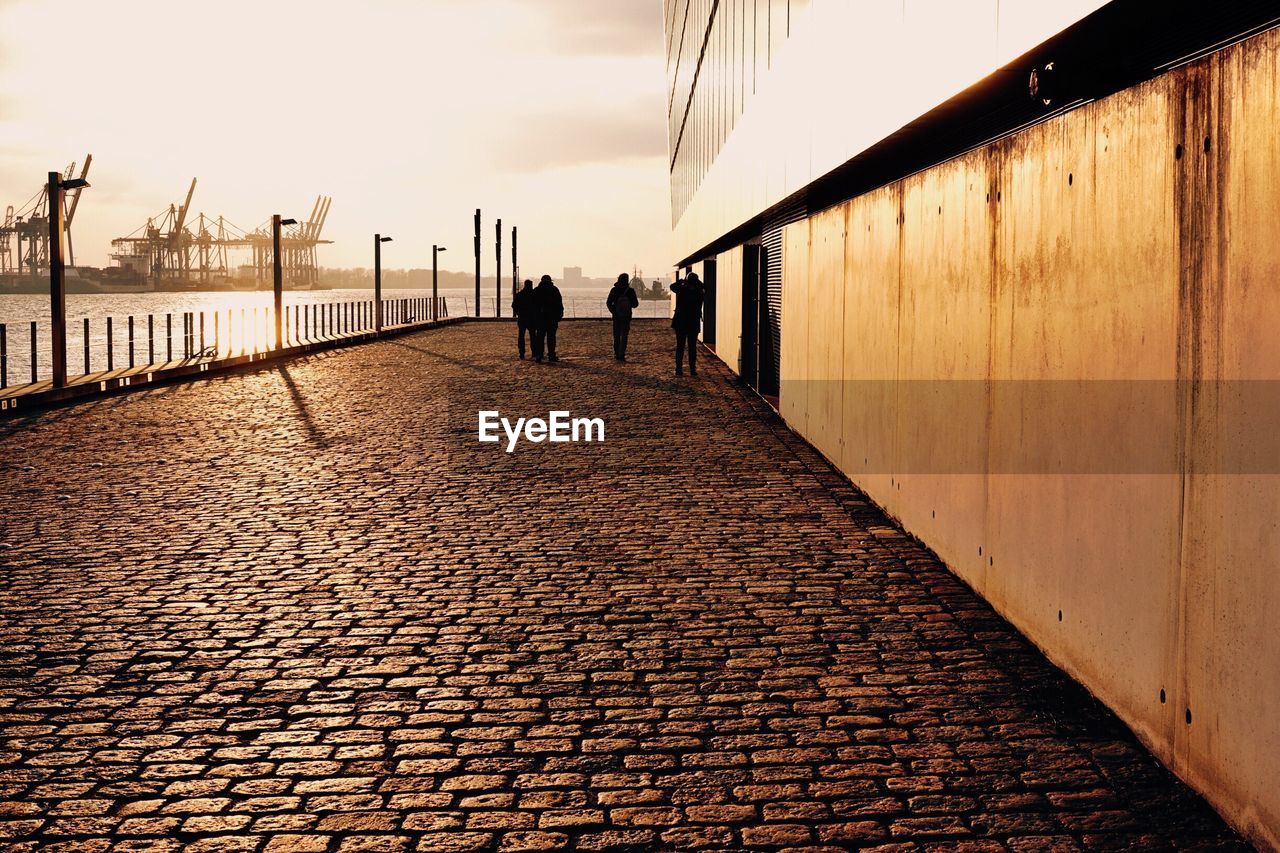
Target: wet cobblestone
(304, 610)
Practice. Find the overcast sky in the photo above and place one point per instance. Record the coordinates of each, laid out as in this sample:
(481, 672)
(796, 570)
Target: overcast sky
(410, 113)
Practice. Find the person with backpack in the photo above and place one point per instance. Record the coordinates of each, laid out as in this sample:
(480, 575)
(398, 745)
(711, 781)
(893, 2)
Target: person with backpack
(621, 303)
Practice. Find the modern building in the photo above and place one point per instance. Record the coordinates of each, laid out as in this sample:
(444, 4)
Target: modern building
(1012, 266)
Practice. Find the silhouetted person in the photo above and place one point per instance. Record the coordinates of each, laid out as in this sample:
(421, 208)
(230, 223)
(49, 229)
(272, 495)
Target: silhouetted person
(525, 313)
(549, 309)
(621, 302)
(687, 320)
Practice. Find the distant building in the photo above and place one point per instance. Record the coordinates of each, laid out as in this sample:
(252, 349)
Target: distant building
(572, 277)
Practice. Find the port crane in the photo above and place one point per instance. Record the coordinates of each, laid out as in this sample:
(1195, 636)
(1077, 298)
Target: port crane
(24, 232)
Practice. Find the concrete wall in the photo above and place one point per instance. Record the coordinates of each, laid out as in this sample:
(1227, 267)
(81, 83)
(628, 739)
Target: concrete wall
(928, 330)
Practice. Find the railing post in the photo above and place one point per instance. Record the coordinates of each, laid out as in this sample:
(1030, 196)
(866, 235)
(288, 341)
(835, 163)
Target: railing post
(86, 346)
(110, 347)
(151, 339)
(33, 351)
(4, 356)
(131, 340)
(217, 334)
(168, 337)
(202, 334)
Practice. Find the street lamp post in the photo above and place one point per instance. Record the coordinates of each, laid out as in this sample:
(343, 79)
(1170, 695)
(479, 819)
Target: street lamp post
(277, 275)
(57, 273)
(435, 280)
(477, 262)
(378, 240)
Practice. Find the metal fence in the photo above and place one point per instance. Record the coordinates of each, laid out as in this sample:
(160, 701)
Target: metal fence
(195, 336)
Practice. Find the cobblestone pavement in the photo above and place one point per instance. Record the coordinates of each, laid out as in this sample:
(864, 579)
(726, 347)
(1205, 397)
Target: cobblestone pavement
(304, 610)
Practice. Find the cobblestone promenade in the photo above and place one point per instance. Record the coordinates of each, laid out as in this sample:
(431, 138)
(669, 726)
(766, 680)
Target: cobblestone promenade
(304, 610)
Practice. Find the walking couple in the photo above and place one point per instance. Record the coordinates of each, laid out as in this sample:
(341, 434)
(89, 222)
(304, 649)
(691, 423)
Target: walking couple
(538, 311)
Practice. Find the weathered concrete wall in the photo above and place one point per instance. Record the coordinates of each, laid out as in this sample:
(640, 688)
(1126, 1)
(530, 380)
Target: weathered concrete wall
(950, 338)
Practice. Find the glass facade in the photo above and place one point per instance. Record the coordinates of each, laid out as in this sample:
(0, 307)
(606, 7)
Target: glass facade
(717, 54)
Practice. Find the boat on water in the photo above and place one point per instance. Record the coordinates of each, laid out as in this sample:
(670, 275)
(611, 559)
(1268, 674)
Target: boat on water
(122, 280)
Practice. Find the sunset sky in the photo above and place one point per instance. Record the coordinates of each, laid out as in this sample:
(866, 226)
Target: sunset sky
(410, 113)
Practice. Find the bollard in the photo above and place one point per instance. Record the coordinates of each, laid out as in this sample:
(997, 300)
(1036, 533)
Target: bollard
(4, 356)
(151, 339)
(131, 340)
(110, 347)
(86, 346)
(33, 350)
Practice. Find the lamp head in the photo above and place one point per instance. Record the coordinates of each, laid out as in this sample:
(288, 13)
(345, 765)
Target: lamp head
(384, 239)
(75, 184)
(288, 222)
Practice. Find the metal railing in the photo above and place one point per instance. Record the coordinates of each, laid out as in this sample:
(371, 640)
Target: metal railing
(210, 335)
